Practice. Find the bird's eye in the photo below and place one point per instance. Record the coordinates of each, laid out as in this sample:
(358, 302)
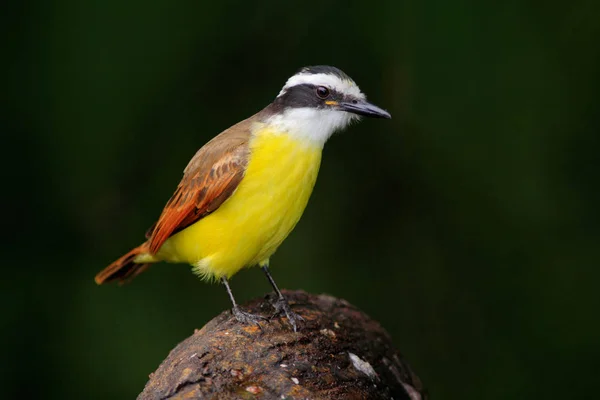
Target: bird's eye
(322, 92)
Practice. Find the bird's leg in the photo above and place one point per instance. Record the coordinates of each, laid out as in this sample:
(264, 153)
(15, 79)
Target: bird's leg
(281, 305)
(241, 316)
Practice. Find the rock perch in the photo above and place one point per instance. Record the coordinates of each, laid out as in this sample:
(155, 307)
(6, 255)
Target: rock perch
(338, 353)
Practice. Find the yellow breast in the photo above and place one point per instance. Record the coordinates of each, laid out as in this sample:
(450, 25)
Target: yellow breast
(248, 227)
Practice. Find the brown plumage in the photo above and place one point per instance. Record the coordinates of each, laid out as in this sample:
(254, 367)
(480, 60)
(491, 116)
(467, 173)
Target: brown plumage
(209, 179)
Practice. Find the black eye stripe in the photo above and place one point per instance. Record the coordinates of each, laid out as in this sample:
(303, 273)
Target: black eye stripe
(305, 95)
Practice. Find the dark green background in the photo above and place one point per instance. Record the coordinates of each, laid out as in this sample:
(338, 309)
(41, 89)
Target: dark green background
(468, 225)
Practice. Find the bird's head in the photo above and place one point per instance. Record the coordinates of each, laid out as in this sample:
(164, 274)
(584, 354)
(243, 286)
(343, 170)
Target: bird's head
(317, 101)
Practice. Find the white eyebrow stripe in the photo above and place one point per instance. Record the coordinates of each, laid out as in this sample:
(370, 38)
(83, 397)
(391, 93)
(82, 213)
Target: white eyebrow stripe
(331, 81)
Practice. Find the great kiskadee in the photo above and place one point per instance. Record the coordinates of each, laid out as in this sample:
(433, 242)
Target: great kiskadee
(245, 190)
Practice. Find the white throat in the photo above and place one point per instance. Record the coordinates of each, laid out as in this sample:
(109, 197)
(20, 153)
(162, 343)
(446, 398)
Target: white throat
(312, 125)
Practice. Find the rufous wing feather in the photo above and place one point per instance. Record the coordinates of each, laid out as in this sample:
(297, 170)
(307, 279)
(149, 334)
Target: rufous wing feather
(209, 179)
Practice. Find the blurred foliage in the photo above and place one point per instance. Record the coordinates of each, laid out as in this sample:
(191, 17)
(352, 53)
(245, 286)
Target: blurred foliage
(468, 225)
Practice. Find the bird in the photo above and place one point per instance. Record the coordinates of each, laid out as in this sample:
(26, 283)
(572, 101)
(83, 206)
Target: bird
(244, 191)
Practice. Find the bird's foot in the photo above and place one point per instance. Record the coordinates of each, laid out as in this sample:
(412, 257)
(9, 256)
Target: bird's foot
(247, 318)
(283, 307)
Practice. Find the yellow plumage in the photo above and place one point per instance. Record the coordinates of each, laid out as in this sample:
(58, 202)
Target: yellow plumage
(249, 226)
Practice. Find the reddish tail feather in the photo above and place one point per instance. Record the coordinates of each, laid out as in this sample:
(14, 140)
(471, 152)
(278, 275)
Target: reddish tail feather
(124, 269)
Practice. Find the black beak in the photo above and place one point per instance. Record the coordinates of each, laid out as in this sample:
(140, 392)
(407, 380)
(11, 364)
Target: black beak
(363, 107)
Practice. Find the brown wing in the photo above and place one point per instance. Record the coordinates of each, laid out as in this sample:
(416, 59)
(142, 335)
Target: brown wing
(210, 178)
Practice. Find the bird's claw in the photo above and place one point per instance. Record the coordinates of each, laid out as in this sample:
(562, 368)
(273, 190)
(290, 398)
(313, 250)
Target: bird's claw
(247, 318)
(282, 307)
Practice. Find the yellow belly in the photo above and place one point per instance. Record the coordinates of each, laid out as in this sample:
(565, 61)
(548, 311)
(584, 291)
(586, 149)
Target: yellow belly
(248, 227)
